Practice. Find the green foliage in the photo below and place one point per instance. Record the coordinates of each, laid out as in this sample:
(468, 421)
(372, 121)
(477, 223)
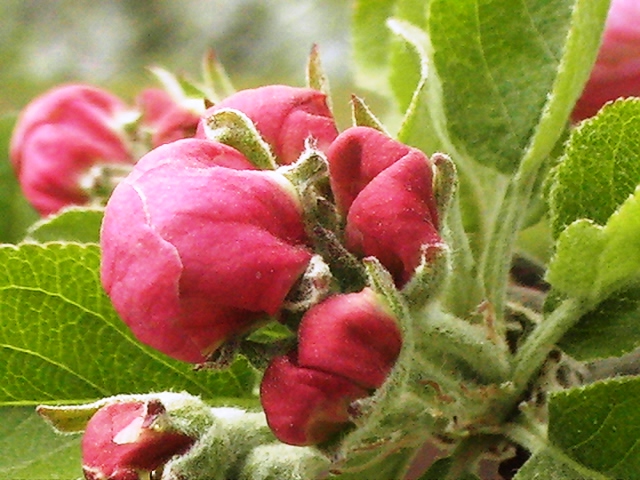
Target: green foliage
(62, 342)
(611, 330)
(72, 224)
(600, 167)
(598, 427)
(32, 450)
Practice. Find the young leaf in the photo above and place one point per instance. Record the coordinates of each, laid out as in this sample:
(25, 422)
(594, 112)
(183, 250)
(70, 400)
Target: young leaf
(594, 261)
(31, 450)
(72, 224)
(598, 426)
(62, 342)
(611, 330)
(552, 463)
(510, 71)
(600, 167)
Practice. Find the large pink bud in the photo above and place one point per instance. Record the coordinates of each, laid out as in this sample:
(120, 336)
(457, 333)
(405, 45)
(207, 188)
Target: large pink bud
(126, 439)
(617, 70)
(348, 345)
(59, 137)
(197, 248)
(385, 190)
(165, 119)
(285, 117)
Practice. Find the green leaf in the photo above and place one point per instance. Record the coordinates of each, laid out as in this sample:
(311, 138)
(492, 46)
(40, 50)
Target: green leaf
(62, 342)
(594, 261)
(598, 426)
(371, 40)
(550, 463)
(441, 468)
(72, 224)
(31, 450)
(600, 167)
(508, 73)
(611, 330)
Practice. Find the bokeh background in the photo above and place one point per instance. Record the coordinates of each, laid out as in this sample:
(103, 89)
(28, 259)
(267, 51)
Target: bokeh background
(109, 43)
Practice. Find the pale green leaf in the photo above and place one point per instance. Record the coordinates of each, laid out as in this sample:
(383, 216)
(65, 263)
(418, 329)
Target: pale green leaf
(508, 73)
(31, 450)
(550, 464)
(598, 426)
(594, 261)
(72, 224)
(611, 330)
(61, 341)
(600, 168)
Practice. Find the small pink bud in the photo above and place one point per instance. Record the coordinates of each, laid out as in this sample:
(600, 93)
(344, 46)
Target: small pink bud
(285, 117)
(385, 189)
(165, 119)
(124, 439)
(305, 406)
(352, 335)
(196, 248)
(59, 137)
(617, 70)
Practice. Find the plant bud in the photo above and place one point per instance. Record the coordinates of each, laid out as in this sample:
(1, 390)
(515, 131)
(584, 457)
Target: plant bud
(164, 118)
(351, 335)
(616, 72)
(58, 138)
(385, 190)
(197, 248)
(285, 117)
(305, 406)
(124, 439)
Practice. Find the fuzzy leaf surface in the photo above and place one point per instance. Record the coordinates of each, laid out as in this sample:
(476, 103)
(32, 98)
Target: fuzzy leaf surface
(594, 261)
(598, 426)
(31, 450)
(509, 72)
(600, 167)
(62, 342)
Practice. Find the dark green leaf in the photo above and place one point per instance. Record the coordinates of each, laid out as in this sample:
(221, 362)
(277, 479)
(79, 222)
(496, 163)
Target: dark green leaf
(611, 330)
(598, 426)
(31, 450)
(509, 72)
(61, 341)
(600, 168)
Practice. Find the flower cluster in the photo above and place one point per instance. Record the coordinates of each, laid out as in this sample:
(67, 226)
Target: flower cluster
(65, 133)
(200, 247)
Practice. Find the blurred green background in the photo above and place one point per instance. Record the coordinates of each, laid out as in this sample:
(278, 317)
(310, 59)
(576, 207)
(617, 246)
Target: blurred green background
(109, 43)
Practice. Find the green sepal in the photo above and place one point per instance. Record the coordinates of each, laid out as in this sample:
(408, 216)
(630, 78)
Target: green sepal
(278, 461)
(216, 83)
(316, 76)
(362, 116)
(235, 129)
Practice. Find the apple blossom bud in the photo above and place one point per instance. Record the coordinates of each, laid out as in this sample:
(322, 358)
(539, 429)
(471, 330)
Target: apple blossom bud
(348, 345)
(164, 118)
(285, 117)
(124, 439)
(305, 406)
(59, 137)
(197, 248)
(385, 190)
(616, 72)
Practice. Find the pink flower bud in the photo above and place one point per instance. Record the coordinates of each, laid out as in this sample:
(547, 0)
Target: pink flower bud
(285, 117)
(124, 439)
(617, 70)
(385, 189)
(196, 250)
(351, 335)
(305, 406)
(165, 119)
(59, 137)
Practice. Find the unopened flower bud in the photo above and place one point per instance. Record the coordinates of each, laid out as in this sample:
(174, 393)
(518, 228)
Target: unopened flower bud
(385, 190)
(197, 248)
(59, 137)
(616, 72)
(285, 117)
(124, 439)
(165, 119)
